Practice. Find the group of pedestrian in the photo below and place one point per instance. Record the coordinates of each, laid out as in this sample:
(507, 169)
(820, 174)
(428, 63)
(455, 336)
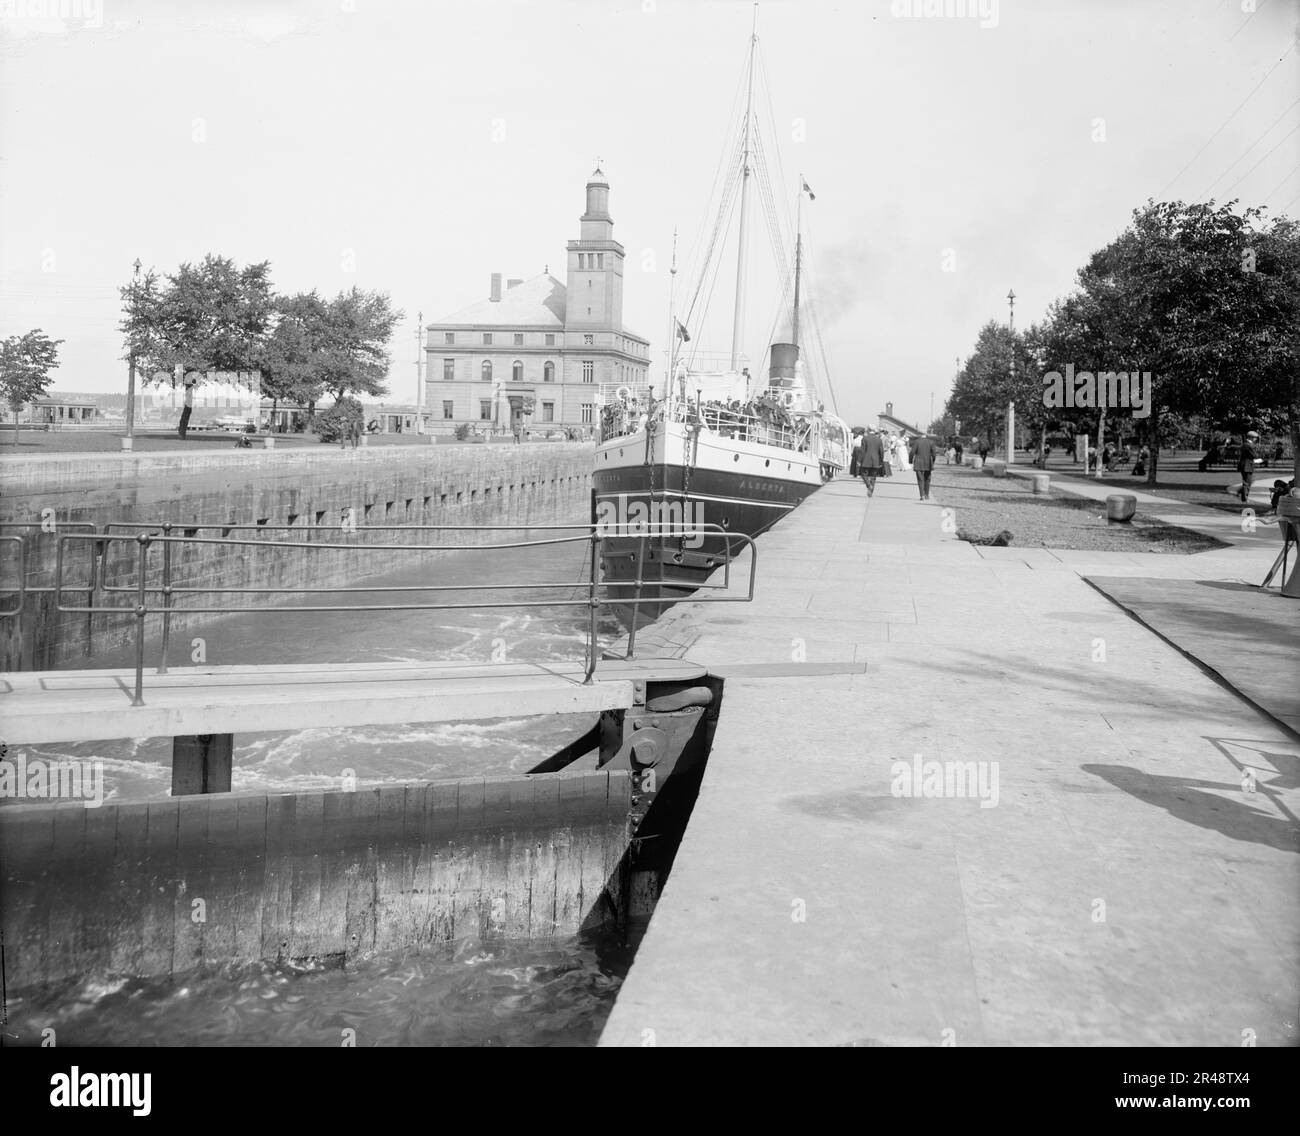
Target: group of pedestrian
(875, 454)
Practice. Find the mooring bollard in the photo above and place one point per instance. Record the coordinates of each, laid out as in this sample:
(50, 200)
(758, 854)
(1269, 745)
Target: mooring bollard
(1121, 507)
(1042, 484)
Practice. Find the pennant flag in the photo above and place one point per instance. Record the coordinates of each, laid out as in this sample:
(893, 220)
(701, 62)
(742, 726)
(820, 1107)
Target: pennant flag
(682, 333)
(811, 196)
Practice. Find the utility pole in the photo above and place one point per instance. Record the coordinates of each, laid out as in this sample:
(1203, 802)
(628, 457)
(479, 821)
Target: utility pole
(128, 439)
(419, 373)
(1011, 404)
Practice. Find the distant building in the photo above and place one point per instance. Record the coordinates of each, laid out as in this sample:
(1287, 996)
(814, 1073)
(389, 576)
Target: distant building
(56, 411)
(538, 345)
(887, 422)
(392, 418)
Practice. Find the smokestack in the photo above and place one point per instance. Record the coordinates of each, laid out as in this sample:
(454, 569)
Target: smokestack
(511, 283)
(496, 288)
(781, 373)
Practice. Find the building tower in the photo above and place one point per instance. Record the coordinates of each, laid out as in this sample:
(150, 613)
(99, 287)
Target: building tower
(595, 269)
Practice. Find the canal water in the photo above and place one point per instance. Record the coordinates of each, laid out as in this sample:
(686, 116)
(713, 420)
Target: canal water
(468, 993)
(139, 769)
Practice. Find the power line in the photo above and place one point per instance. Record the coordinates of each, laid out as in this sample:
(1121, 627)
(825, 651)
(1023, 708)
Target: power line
(1249, 148)
(1283, 182)
(1262, 160)
(1230, 117)
(1245, 21)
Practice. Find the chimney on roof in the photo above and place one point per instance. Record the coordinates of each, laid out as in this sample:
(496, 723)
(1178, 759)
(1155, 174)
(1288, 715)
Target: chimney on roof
(511, 283)
(496, 288)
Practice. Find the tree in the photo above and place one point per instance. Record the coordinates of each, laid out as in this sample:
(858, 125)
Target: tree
(988, 381)
(25, 365)
(1208, 300)
(351, 348)
(209, 318)
(290, 359)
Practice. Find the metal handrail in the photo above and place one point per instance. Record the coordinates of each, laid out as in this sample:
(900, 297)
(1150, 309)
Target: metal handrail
(21, 590)
(59, 526)
(160, 598)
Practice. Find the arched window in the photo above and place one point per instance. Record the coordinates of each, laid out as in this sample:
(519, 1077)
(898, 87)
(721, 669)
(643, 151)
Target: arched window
(517, 372)
(548, 372)
(487, 370)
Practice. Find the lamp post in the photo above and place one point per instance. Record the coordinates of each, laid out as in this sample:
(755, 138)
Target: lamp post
(128, 439)
(1011, 371)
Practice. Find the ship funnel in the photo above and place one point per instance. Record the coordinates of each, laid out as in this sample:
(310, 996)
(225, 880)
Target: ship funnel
(781, 373)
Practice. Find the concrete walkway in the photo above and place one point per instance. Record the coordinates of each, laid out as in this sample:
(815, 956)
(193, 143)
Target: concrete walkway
(1114, 884)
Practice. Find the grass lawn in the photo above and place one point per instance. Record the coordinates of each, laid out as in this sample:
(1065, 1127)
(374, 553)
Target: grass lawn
(986, 507)
(109, 441)
(1180, 479)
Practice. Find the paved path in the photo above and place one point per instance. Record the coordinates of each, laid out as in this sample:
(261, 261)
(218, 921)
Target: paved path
(1122, 890)
(1248, 636)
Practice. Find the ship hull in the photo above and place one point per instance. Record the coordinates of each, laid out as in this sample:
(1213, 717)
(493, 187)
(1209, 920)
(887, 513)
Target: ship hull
(678, 478)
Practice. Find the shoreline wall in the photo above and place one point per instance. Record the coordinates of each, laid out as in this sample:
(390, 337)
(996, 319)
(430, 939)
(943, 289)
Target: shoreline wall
(302, 490)
(193, 883)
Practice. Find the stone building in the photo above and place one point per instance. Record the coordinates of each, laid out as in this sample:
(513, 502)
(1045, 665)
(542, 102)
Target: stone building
(536, 352)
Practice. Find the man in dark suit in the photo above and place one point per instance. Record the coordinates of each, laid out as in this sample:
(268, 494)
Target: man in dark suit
(922, 454)
(872, 460)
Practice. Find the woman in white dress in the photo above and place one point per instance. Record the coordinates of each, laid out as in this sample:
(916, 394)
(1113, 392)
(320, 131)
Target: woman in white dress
(900, 455)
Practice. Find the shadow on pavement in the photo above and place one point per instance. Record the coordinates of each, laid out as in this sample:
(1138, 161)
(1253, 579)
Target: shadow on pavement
(1188, 800)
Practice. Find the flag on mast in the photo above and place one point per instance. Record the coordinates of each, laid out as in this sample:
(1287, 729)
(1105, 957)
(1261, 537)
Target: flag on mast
(811, 196)
(682, 333)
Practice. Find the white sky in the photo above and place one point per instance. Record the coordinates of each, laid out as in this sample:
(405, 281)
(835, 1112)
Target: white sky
(367, 126)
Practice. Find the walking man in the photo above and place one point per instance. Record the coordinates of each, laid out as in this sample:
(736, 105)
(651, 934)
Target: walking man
(1246, 464)
(922, 456)
(872, 459)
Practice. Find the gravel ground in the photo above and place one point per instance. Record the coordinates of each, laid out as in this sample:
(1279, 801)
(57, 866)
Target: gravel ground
(987, 506)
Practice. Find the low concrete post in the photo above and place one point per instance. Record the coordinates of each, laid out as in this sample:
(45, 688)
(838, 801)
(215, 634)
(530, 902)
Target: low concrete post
(201, 763)
(269, 442)
(1042, 484)
(1120, 507)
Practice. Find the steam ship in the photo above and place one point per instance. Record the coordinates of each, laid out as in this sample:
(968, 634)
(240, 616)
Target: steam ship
(718, 452)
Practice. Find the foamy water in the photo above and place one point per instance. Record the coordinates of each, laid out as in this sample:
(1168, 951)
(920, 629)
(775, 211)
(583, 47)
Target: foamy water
(139, 769)
(468, 993)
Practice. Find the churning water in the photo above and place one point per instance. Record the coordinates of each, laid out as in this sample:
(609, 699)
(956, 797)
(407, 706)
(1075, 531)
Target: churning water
(469, 993)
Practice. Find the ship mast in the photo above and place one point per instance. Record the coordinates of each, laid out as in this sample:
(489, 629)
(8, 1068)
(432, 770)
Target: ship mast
(744, 203)
(672, 328)
(798, 255)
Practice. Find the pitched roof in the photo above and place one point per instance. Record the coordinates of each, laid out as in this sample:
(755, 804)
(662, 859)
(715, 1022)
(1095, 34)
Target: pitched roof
(906, 427)
(537, 302)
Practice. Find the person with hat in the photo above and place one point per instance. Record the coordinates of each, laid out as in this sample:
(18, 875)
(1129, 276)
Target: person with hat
(1246, 463)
